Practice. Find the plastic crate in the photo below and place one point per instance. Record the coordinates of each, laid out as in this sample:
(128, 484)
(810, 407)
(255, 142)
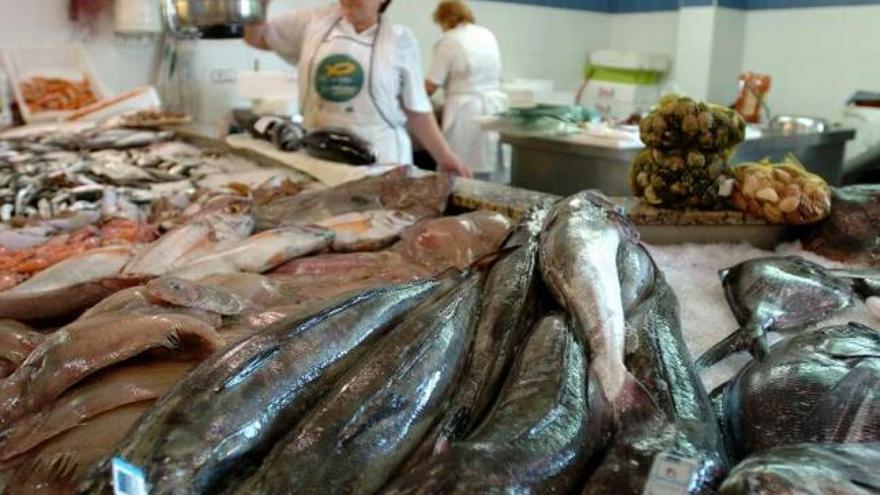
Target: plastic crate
(69, 61)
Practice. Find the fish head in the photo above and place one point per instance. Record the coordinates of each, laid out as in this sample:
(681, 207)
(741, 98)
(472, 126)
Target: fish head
(174, 290)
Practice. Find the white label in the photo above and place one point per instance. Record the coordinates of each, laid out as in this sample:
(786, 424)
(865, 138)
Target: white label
(128, 479)
(671, 475)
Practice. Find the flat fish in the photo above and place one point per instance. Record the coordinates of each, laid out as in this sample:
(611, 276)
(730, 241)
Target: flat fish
(459, 241)
(821, 384)
(85, 347)
(367, 425)
(221, 420)
(678, 426)
(388, 264)
(17, 341)
(259, 253)
(776, 294)
(542, 433)
(219, 224)
(366, 231)
(57, 467)
(313, 206)
(103, 392)
(69, 286)
(809, 469)
(424, 197)
(136, 301)
(190, 294)
(578, 259)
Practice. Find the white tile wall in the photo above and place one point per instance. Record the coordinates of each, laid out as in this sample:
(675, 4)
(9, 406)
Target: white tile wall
(817, 57)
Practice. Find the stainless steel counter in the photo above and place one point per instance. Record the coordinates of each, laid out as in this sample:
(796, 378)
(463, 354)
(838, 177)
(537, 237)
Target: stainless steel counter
(564, 165)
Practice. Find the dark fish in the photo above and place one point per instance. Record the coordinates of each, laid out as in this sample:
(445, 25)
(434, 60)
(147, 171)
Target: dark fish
(578, 259)
(818, 385)
(539, 438)
(508, 312)
(682, 431)
(339, 145)
(17, 341)
(225, 416)
(808, 469)
(776, 294)
(377, 414)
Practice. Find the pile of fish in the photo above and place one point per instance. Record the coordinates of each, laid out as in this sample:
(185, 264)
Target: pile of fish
(116, 172)
(355, 340)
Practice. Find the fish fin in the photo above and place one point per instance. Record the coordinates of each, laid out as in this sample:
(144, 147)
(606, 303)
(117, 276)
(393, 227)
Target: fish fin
(845, 403)
(730, 345)
(634, 405)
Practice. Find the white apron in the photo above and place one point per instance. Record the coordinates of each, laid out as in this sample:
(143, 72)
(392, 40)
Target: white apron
(462, 109)
(340, 90)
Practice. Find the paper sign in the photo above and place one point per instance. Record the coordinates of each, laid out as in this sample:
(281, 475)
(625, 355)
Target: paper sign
(671, 475)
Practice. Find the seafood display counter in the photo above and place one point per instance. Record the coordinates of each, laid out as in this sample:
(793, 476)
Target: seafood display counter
(563, 165)
(252, 331)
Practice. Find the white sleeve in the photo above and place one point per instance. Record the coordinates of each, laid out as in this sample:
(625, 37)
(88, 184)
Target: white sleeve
(413, 95)
(286, 33)
(441, 61)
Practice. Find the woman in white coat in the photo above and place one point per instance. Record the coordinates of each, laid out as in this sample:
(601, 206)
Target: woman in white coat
(466, 63)
(359, 72)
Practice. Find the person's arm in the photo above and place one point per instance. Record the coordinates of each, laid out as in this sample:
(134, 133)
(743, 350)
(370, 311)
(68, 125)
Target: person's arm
(426, 130)
(580, 92)
(283, 34)
(431, 87)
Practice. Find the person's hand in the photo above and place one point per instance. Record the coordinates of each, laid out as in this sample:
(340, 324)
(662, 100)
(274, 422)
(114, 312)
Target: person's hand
(456, 167)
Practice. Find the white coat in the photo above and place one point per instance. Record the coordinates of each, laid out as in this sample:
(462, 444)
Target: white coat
(362, 82)
(467, 64)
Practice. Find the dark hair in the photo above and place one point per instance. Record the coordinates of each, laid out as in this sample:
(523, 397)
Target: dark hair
(384, 6)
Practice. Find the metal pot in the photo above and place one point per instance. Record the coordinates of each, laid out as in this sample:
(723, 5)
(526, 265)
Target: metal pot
(189, 16)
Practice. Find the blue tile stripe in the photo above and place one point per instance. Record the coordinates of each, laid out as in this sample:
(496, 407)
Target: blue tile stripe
(629, 6)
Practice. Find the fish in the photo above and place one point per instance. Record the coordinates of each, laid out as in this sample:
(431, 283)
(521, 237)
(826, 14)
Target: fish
(353, 266)
(69, 286)
(812, 469)
(309, 207)
(17, 341)
(424, 197)
(220, 421)
(103, 392)
(818, 384)
(57, 467)
(366, 231)
(136, 301)
(509, 308)
(458, 241)
(339, 145)
(776, 294)
(83, 348)
(377, 413)
(190, 241)
(578, 260)
(677, 426)
(187, 293)
(91, 266)
(540, 436)
(259, 253)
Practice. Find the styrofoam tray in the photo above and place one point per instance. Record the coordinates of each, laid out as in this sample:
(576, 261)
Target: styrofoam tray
(67, 61)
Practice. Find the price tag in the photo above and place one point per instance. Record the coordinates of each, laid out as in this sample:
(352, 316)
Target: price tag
(671, 475)
(128, 479)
